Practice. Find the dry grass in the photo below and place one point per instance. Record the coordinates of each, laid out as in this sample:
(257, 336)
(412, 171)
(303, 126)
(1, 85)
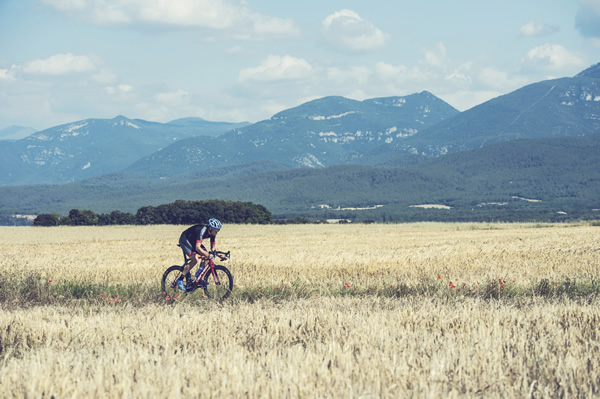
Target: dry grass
(317, 254)
(330, 341)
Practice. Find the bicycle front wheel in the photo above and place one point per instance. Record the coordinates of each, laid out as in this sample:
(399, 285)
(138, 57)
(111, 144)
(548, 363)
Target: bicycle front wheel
(220, 285)
(169, 285)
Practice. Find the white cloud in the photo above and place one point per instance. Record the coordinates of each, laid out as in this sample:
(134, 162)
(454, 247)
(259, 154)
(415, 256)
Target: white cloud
(400, 74)
(458, 76)
(463, 84)
(587, 20)
(225, 15)
(7, 74)
(501, 80)
(172, 98)
(265, 25)
(235, 50)
(122, 89)
(345, 29)
(435, 68)
(387, 70)
(554, 58)
(436, 57)
(68, 5)
(532, 29)
(595, 41)
(356, 75)
(125, 88)
(60, 64)
(591, 5)
(277, 68)
(105, 76)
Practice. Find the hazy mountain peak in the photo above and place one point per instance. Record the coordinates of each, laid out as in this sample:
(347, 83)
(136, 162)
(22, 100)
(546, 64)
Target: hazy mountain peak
(329, 104)
(399, 101)
(91, 147)
(591, 72)
(16, 132)
(183, 121)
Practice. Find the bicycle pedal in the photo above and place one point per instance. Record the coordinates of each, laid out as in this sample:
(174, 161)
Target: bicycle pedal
(202, 284)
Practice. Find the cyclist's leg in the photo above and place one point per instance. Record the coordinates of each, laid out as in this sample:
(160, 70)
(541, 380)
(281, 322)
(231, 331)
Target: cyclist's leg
(185, 245)
(203, 263)
(188, 251)
(190, 265)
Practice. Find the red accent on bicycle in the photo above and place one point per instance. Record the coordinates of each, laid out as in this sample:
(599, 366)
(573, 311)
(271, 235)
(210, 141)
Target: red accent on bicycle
(215, 280)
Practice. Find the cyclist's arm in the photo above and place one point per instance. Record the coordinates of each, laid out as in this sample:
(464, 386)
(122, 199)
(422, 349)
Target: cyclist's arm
(200, 250)
(213, 247)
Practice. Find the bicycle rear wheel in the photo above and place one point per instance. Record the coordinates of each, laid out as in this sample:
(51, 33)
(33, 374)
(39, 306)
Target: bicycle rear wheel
(169, 284)
(218, 288)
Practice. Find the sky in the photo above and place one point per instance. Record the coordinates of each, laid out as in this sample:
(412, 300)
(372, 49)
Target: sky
(62, 61)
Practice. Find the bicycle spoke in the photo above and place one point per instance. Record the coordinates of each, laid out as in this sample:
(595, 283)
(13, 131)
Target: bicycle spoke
(219, 284)
(169, 284)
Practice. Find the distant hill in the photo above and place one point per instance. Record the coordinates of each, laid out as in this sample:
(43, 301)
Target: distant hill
(552, 108)
(320, 133)
(528, 154)
(15, 132)
(202, 127)
(591, 72)
(393, 131)
(543, 179)
(390, 132)
(92, 147)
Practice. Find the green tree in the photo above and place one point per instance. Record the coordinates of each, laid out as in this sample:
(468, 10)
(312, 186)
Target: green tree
(117, 218)
(46, 220)
(148, 215)
(83, 217)
(193, 212)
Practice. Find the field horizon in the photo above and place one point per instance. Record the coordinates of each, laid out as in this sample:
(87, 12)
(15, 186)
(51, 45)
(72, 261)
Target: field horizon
(421, 310)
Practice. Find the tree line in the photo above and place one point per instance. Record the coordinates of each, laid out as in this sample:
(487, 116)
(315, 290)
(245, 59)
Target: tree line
(178, 212)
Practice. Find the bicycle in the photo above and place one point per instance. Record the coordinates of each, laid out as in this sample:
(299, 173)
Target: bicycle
(219, 288)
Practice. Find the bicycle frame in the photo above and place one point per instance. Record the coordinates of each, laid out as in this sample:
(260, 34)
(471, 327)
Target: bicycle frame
(210, 266)
(172, 279)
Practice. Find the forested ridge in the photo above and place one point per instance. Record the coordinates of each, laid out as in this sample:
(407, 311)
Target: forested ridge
(178, 212)
(559, 175)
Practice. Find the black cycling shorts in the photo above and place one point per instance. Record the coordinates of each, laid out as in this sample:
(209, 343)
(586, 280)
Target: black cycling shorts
(188, 249)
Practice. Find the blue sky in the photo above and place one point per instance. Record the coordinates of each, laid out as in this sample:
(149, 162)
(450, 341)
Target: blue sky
(245, 60)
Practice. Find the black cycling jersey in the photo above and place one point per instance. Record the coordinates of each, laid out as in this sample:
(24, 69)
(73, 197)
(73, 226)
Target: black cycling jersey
(197, 234)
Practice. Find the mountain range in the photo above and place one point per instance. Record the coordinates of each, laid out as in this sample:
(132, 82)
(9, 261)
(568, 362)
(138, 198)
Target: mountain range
(324, 132)
(544, 179)
(93, 147)
(551, 108)
(539, 142)
(394, 131)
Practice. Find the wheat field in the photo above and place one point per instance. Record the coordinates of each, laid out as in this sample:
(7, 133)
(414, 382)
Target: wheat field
(349, 311)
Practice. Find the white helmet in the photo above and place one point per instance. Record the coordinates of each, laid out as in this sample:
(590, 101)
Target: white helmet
(215, 224)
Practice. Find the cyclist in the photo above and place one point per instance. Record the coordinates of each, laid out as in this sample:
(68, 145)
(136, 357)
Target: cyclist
(191, 244)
